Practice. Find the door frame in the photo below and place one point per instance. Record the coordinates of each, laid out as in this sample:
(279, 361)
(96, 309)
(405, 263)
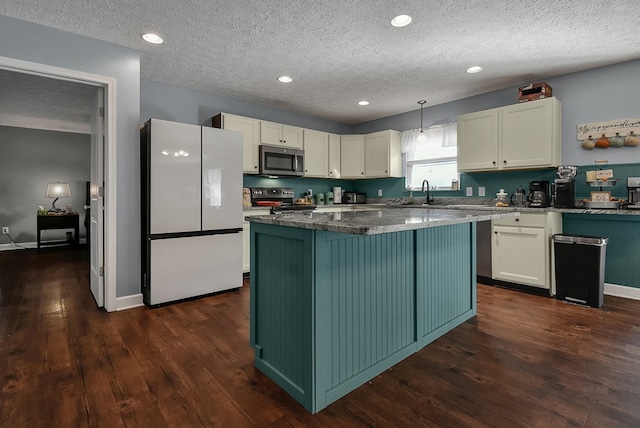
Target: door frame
(109, 161)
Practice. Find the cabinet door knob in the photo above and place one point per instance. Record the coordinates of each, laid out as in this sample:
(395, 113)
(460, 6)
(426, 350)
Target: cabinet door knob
(385, 170)
(517, 219)
(495, 233)
(494, 162)
(504, 162)
(362, 173)
(255, 166)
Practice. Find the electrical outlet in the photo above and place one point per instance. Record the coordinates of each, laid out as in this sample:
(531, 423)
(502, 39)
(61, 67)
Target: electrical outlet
(481, 191)
(5, 230)
(379, 192)
(469, 191)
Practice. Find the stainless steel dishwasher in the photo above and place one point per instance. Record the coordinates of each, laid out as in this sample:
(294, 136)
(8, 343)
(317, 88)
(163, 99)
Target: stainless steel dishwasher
(483, 252)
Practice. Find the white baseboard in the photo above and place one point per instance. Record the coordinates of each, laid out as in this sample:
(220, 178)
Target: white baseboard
(622, 291)
(30, 245)
(129, 302)
(20, 246)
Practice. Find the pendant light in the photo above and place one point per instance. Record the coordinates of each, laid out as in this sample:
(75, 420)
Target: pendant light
(421, 136)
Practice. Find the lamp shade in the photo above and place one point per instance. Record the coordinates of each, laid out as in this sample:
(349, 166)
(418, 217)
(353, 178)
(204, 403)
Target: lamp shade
(58, 190)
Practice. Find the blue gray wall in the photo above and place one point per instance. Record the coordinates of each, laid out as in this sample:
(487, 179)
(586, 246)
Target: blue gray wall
(31, 42)
(30, 159)
(167, 102)
(590, 96)
(596, 95)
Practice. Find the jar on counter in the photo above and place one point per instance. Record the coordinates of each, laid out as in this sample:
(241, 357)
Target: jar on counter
(454, 184)
(502, 199)
(319, 198)
(328, 198)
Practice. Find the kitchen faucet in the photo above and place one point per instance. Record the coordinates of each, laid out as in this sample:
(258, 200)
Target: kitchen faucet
(429, 198)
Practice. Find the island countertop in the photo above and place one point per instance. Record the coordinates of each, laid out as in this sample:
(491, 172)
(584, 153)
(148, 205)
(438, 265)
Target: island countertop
(372, 222)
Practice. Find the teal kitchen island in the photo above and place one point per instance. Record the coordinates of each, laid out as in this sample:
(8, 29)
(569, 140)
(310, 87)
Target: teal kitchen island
(338, 298)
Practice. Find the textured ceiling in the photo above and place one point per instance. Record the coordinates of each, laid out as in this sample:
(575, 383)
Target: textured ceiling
(339, 52)
(29, 101)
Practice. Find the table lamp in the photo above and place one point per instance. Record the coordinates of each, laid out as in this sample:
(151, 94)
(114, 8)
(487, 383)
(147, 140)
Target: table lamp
(57, 190)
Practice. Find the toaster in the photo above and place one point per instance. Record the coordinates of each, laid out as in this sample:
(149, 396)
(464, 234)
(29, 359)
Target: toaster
(354, 198)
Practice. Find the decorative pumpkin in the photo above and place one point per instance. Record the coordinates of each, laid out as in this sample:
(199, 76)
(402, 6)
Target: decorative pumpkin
(617, 141)
(588, 144)
(603, 142)
(631, 140)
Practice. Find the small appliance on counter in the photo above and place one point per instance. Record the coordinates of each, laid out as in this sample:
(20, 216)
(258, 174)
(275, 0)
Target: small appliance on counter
(354, 198)
(337, 195)
(519, 197)
(280, 199)
(565, 193)
(539, 194)
(633, 190)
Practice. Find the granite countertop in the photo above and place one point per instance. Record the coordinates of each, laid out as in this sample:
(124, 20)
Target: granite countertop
(488, 204)
(383, 220)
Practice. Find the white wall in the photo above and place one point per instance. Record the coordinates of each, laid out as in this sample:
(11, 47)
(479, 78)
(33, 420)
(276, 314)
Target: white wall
(30, 159)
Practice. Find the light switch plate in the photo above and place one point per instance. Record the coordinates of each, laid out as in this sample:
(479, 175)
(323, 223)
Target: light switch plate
(469, 191)
(480, 191)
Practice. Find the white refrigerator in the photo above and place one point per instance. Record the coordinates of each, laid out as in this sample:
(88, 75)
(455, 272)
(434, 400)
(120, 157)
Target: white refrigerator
(191, 211)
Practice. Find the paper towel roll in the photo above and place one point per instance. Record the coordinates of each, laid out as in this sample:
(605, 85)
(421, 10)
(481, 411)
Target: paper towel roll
(337, 195)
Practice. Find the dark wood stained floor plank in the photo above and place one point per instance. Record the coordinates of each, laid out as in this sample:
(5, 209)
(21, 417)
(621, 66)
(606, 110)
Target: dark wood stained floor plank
(525, 360)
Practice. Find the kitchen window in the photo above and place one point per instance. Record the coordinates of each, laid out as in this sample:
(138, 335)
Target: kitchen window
(434, 160)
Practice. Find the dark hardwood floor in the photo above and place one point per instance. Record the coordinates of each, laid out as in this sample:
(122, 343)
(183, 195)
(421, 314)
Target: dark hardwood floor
(524, 360)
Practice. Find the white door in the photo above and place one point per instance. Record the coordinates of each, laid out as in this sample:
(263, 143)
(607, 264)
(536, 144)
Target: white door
(96, 228)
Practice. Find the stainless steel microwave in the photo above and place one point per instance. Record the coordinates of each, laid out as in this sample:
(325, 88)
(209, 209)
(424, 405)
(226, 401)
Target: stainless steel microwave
(276, 160)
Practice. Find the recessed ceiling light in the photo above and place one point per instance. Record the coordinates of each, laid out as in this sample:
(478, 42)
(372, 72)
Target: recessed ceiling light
(401, 21)
(474, 69)
(285, 79)
(152, 38)
(363, 103)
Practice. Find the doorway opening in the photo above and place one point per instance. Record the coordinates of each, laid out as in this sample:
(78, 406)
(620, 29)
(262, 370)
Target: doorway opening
(103, 167)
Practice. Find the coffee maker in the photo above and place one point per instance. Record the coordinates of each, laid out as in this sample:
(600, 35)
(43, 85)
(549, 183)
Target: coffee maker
(633, 190)
(565, 193)
(539, 194)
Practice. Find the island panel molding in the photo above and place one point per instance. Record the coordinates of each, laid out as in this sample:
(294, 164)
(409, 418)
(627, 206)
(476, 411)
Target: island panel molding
(330, 311)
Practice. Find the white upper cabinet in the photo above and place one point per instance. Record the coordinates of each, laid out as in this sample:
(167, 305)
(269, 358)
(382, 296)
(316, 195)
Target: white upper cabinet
(382, 154)
(334, 156)
(316, 154)
(276, 134)
(531, 134)
(526, 135)
(250, 129)
(478, 141)
(352, 156)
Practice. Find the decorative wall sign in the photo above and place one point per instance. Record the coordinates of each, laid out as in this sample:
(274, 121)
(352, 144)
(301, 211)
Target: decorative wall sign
(609, 129)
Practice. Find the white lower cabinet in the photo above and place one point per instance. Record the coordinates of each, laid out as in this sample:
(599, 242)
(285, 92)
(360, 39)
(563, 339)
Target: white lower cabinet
(522, 249)
(246, 238)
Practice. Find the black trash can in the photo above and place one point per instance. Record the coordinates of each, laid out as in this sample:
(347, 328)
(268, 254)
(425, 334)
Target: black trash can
(579, 263)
